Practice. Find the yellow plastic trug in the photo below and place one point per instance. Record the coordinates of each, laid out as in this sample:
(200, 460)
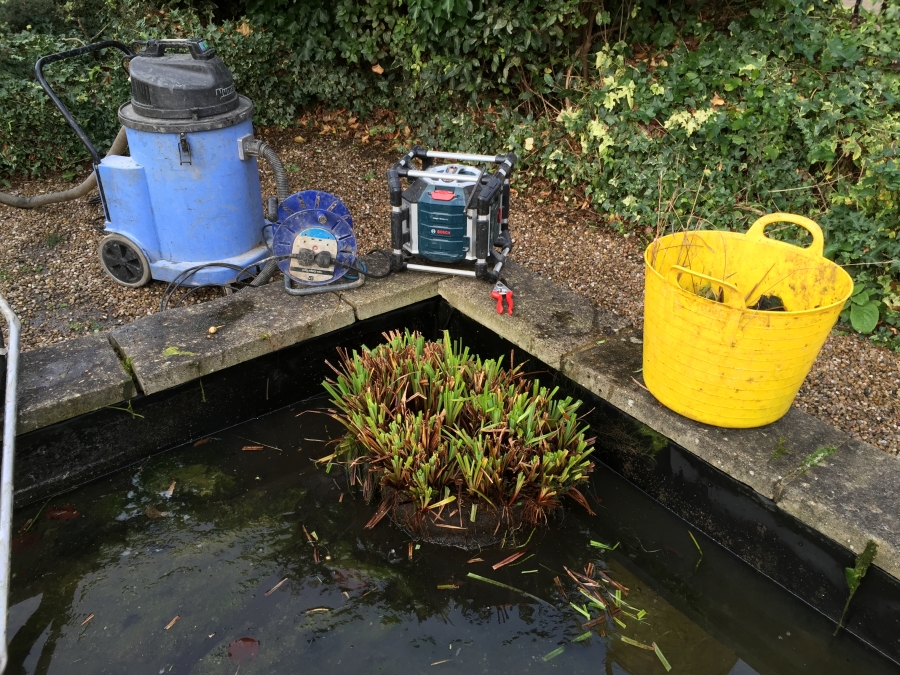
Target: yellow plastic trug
(707, 354)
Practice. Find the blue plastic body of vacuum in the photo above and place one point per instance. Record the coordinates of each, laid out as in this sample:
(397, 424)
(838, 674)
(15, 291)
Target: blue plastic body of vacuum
(186, 206)
(186, 199)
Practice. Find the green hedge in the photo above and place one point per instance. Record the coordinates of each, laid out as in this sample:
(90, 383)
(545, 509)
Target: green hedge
(663, 115)
(34, 138)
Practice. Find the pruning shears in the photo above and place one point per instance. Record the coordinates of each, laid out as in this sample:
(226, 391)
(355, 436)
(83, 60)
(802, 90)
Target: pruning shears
(501, 291)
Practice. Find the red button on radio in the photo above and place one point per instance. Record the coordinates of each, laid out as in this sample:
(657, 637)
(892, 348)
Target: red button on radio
(443, 195)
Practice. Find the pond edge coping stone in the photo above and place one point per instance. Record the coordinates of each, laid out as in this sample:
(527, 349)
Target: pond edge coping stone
(850, 496)
(67, 379)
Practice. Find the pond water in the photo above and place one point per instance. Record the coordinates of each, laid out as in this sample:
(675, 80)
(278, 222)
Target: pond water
(200, 561)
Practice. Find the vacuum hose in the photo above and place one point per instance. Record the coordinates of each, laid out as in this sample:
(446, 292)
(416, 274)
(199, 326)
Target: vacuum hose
(117, 148)
(254, 147)
(265, 274)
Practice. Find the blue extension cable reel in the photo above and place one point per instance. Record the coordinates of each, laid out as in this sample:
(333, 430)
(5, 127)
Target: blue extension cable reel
(315, 229)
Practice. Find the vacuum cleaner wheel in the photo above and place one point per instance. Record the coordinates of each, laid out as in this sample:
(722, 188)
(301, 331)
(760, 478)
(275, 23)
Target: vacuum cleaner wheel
(124, 261)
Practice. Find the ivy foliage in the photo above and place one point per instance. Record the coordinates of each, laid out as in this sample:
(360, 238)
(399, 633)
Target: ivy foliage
(660, 114)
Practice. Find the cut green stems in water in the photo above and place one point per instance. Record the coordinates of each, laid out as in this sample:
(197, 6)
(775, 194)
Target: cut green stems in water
(556, 652)
(662, 658)
(605, 547)
(519, 562)
(527, 540)
(509, 588)
(700, 560)
(581, 610)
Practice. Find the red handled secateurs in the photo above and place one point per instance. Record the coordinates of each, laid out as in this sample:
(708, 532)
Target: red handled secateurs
(501, 292)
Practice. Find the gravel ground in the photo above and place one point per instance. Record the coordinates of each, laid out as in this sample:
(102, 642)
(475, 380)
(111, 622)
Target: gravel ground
(50, 274)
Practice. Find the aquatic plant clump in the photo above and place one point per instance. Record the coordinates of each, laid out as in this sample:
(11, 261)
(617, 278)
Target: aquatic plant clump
(455, 446)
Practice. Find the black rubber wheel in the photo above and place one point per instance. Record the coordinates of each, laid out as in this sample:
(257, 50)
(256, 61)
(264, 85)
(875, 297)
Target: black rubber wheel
(124, 261)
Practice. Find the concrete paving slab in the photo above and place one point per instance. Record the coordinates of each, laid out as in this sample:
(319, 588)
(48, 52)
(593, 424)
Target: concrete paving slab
(67, 379)
(170, 348)
(548, 321)
(612, 371)
(380, 296)
(759, 457)
(851, 497)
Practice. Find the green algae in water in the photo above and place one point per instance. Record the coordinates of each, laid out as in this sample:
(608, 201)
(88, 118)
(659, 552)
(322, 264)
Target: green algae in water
(233, 530)
(198, 480)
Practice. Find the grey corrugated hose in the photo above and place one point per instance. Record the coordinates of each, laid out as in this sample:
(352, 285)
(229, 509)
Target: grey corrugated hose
(118, 147)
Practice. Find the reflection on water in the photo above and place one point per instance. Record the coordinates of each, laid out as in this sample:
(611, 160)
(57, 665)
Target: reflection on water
(226, 541)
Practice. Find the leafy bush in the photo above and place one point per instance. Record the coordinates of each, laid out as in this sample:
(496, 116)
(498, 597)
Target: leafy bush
(34, 137)
(786, 111)
(41, 15)
(426, 421)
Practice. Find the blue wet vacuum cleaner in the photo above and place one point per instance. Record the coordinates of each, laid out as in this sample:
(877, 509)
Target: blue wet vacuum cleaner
(186, 206)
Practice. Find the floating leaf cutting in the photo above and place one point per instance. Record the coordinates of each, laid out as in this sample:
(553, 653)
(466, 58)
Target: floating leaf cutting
(556, 652)
(429, 424)
(600, 544)
(500, 584)
(662, 658)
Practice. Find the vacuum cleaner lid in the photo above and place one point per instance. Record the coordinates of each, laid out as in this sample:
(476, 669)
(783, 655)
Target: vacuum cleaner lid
(181, 86)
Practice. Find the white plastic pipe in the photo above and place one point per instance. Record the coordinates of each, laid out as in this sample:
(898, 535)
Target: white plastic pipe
(466, 157)
(6, 476)
(440, 270)
(446, 177)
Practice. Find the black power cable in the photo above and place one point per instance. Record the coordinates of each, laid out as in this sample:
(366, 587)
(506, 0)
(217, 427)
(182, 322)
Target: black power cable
(194, 290)
(182, 277)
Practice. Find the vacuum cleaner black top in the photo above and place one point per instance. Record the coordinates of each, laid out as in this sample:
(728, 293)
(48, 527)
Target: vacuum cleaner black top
(181, 86)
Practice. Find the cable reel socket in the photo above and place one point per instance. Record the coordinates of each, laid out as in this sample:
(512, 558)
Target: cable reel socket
(315, 234)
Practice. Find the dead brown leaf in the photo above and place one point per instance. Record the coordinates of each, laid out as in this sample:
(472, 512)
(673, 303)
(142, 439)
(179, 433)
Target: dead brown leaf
(275, 587)
(507, 561)
(153, 513)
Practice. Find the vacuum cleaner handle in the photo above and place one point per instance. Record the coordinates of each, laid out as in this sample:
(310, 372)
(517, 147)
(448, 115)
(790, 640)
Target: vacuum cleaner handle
(61, 56)
(197, 47)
